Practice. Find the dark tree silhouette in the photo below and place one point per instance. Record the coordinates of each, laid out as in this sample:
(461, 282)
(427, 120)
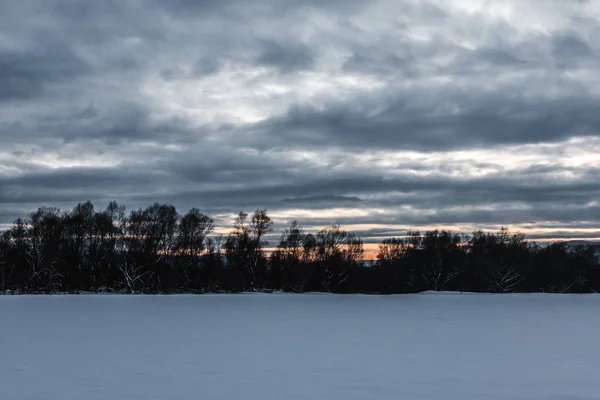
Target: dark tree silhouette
(336, 254)
(290, 262)
(156, 250)
(244, 248)
(191, 245)
(393, 268)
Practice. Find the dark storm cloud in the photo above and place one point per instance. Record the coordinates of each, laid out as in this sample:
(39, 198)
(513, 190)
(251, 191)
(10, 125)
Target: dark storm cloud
(289, 187)
(286, 57)
(410, 120)
(206, 66)
(26, 73)
(214, 104)
(196, 8)
(567, 46)
(431, 201)
(330, 199)
(77, 177)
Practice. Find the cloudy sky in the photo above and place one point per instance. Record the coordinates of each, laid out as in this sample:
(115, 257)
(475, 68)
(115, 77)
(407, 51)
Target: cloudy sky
(379, 115)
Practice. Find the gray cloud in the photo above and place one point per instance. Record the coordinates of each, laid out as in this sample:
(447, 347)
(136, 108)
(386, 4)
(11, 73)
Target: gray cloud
(286, 57)
(327, 199)
(569, 46)
(26, 73)
(330, 112)
(410, 120)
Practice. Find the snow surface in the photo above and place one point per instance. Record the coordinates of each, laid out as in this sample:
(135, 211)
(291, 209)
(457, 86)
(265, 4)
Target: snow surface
(428, 346)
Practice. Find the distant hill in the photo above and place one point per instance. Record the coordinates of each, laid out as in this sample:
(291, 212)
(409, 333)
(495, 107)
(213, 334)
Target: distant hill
(577, 243)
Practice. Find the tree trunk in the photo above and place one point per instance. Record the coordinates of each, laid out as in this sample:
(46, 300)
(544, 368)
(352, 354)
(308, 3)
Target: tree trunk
(3, 266)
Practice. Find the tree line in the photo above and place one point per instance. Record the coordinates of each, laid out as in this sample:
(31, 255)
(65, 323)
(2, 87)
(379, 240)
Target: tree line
(157, 250)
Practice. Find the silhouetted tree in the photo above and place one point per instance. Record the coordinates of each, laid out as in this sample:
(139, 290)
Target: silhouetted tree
(43, 253)
(393, 271)
(498, 260)
(190, 245)
(435, 260)
(149, 241)
(244, 247)
(4, 264)
(336, 253)
(156, 250)
(291, 262)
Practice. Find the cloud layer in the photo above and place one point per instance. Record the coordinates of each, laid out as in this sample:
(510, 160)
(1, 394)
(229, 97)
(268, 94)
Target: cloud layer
(382, 115)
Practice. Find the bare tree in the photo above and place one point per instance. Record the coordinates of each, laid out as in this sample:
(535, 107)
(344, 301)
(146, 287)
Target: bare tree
(291, 244)
(4, 250)
(290, 258)
(437, 276)
(245, 244)
(133, 275)
(78, 228)
(150, 239)
(391, 250)
(45, 232)
(191, 241)
(194, 227)
(354, 249)
(440, 253)
(504, 279)
(337, 253)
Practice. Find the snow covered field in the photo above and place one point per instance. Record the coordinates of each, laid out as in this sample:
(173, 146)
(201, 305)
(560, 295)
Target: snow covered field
(428, 346)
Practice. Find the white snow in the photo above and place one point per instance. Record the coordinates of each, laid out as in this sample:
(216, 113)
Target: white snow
(428, 346)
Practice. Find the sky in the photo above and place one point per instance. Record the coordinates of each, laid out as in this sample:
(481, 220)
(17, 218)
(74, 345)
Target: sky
(381, 115)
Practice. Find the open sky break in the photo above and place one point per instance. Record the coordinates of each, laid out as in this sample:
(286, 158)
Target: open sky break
(378, 115)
